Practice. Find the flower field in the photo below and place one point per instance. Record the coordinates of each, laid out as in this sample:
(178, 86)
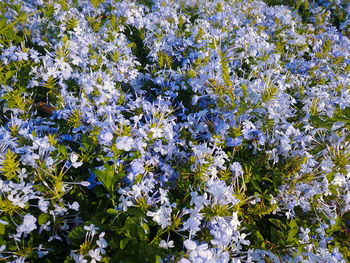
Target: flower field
(174, 131)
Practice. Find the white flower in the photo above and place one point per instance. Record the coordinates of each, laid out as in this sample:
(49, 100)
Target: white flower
(124, 203)
(22, 173)
(28, 224)
(2, 248)
(166, 245)
(194, 222)
(105, 137)
(74, 206)
(201, 251)
(74, 159)
(162, 216)
(3, 222)
(101, 242)
(43, 205)
(95, 255)
(157, 132)
(49, 162)
(234, 221)
(237, 169)
(18, 200)
(124, 143)
(21, 55)
(45, 227)
(91, 229)
(189, 244)
(41, 252)
(85, 183)
(78, 258)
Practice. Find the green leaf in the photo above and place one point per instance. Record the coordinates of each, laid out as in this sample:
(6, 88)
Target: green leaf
(77, 234)
(265, 178)
(40, 188)
(68, 260)
(145, 227)
(112, 211)
(293, 230)
(158, 259)
(9, 74)
(63, 149)
(136, 211)
(338, 226)
(259, 236)
(108, 177)
(2, 229)
(2, 23)
(9, 33)
(293, 224)
(124, 242)
(11, 103)
(141, 232)
(256, 186)
(277, 223)
(43, 218)
(346, 112)
(318, 122)
(333, 190)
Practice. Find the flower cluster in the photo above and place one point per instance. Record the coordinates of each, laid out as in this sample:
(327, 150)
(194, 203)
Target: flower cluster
(175, 131)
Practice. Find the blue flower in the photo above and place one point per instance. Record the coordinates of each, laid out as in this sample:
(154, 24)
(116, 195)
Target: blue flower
(257, 135)
(92, 180)
(230, 142)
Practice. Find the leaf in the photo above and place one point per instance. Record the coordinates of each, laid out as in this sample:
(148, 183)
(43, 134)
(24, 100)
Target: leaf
(21, 17)
(256, 186)
(333, 190)
(338, 226)
(131, 226)
(40, 188)
(277, 223)
(259, 236)
(293, 224)
(11, 103)
(316, 121)
(9, 74)
(67, 260)
(275, 235)
(77, 234)
(9, 33)
(43, 218)
(293, 230)
(346, 112)
(141, 233)
(158, 259)
(112, 211)
(108, 177)
(346, 216)
(2, 23)
(136, 211)
(63, 149)
(2, 229)
(124, 242)
(145, 227)
(265, 178)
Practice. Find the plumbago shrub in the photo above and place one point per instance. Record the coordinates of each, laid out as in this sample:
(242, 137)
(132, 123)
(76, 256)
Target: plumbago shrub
(174, 131)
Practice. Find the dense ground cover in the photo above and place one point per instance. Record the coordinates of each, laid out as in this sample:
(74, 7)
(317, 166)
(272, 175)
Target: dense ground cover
(175, 130)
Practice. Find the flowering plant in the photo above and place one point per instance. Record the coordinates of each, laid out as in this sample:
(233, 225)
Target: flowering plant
(174, 131)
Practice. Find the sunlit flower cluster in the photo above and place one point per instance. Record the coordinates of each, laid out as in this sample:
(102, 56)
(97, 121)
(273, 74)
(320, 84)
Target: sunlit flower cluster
(174, 131)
